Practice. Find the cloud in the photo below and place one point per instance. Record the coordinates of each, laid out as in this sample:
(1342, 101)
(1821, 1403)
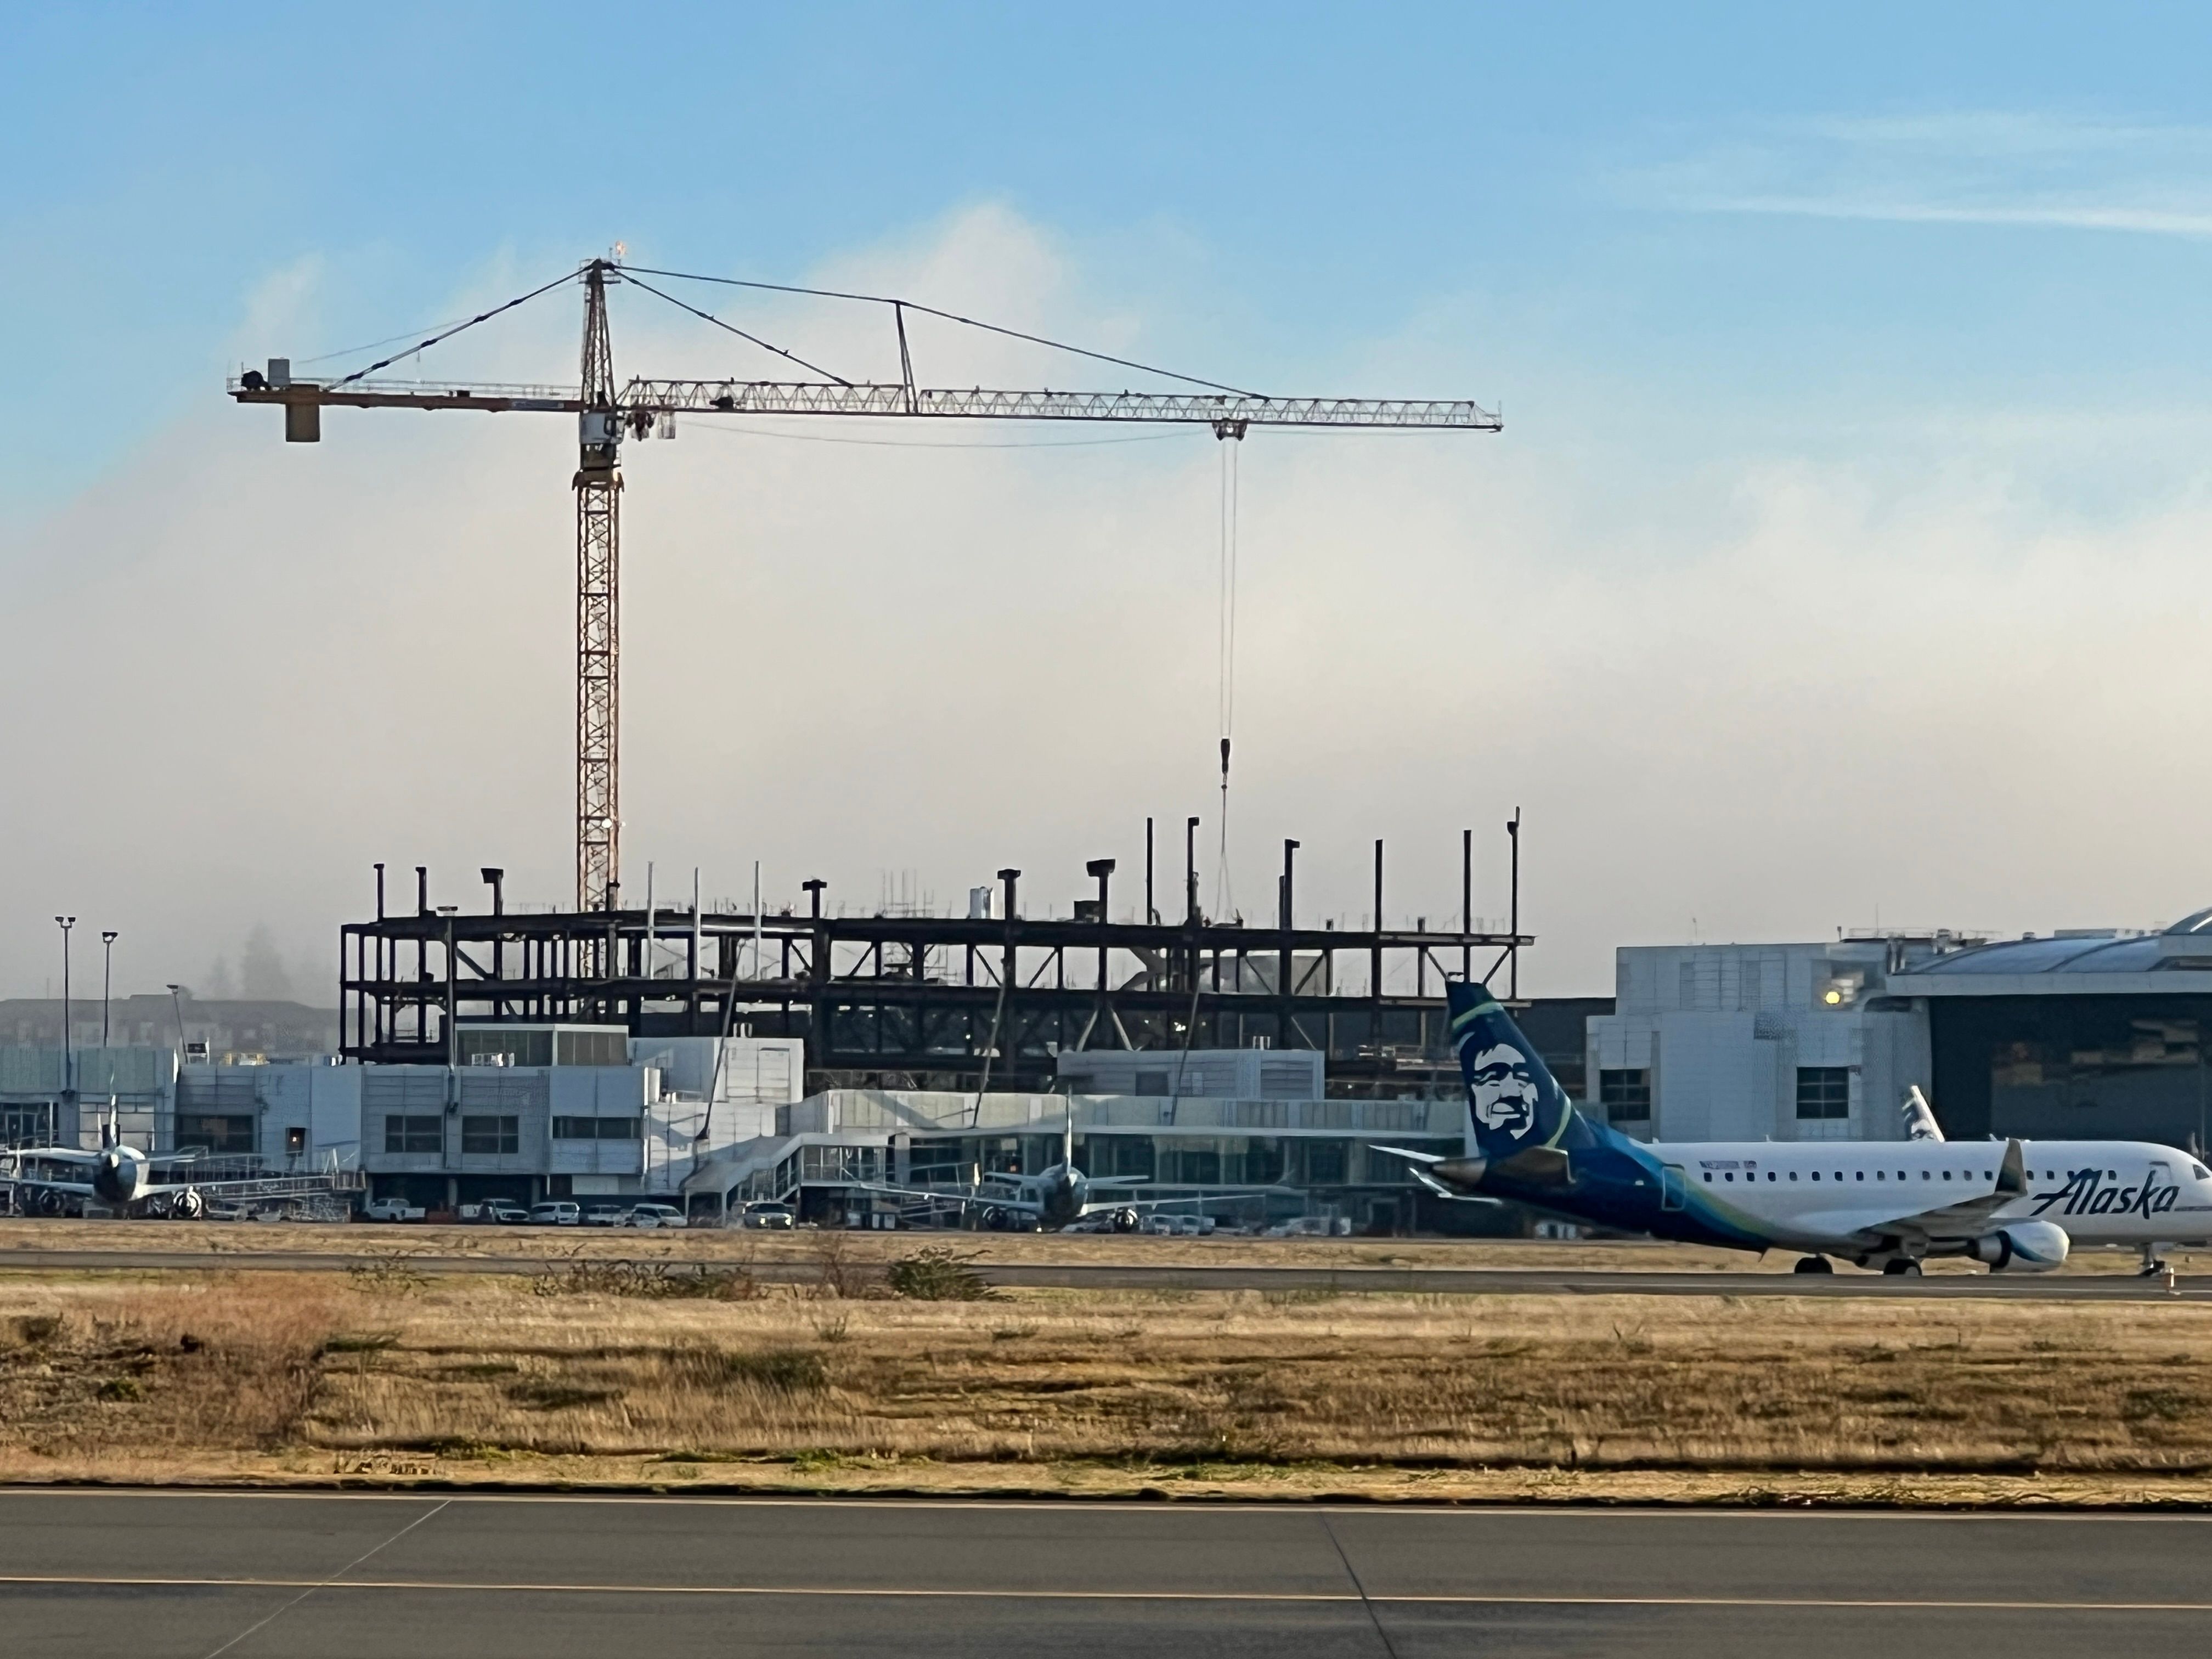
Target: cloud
(1990, 168)
(1809, 688)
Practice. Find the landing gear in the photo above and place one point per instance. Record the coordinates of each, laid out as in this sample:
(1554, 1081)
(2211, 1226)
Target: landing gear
(2153, 1264)
(1813, 1264)
(1901, 1266)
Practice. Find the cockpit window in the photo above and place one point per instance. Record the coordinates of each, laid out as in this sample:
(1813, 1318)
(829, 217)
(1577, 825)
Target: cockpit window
(2200, 1172)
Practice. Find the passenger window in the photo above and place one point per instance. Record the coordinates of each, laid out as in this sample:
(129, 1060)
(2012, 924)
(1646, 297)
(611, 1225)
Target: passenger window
(1925, 1175)
(1770, 1174)
(1709, 1177)
(1793, 1174)
(1730, 1176)
(1860, 1176)
(1947, 1175)
(1816, 1175)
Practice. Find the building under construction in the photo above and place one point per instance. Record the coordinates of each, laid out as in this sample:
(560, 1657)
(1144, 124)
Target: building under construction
(986, 1001)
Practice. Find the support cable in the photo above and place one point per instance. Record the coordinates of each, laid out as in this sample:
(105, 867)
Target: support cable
(480, 316)
(709, 316)
(948, 316)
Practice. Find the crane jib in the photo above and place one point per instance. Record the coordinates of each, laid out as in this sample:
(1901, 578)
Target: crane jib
(896, 400)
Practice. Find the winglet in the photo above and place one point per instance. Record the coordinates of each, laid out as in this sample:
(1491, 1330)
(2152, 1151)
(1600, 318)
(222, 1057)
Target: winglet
(2012, 1171)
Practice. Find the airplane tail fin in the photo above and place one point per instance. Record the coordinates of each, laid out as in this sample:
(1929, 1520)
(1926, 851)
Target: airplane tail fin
(111, 1131)
(1920, 1122)
(1515, 1101)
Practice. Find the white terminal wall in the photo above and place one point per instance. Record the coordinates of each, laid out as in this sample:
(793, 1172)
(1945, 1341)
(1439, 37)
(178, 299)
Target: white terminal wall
(1722, 1030)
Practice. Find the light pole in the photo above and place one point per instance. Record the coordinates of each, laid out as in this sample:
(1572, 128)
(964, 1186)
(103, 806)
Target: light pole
(69, 1046)
(107, 939)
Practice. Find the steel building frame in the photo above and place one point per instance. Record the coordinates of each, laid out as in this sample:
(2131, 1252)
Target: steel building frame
(903, 1001)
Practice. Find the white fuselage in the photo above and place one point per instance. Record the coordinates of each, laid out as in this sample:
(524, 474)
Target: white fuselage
(1806, 1194)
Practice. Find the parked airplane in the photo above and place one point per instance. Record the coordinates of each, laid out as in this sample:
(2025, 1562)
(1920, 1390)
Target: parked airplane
(116, 1175)
(2018, 1206)
(1052, 1198)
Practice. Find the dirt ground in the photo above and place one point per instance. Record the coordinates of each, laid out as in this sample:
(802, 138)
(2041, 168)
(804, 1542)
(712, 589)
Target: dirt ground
(595, 1375)
(729, 1246)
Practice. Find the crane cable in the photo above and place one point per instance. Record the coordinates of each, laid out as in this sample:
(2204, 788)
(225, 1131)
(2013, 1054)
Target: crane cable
(948, 316)
(1226, 641)
(482, 316)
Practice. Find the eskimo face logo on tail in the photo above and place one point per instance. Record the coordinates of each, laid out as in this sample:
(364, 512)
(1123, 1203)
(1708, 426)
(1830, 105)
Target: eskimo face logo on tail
(1501, 1089)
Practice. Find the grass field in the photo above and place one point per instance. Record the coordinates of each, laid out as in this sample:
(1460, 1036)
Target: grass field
(628, 1376)
(717, 1244)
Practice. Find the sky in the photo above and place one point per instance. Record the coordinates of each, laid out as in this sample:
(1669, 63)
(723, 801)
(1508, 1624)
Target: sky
(1840, 564)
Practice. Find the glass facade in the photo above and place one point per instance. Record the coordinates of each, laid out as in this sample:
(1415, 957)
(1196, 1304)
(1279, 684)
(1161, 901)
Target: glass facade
(2120, 1067)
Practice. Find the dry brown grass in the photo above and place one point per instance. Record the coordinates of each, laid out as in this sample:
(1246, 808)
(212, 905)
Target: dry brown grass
(312, 1373)
(806, 1248)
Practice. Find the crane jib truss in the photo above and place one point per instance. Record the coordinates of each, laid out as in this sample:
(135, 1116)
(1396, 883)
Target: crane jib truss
(890, 399)
(607, 414)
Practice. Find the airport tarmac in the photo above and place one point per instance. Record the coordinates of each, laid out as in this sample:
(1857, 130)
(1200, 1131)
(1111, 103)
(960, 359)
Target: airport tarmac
(1139, 1276)
(194, 1575)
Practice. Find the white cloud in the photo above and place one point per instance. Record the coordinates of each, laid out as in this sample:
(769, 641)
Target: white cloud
(1974, 168)
(239, 672)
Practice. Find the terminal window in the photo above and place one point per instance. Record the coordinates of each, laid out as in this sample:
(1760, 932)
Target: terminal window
(415, 1134)
(491, 1134)
(1625, 1096)
(597, 1128)
(217, 1134)
(1824, 1091)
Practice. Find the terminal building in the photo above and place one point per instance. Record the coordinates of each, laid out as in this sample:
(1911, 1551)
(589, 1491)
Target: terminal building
(2093, 1034)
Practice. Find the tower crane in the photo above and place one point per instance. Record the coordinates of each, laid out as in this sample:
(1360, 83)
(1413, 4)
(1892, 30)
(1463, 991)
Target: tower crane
(609, 412)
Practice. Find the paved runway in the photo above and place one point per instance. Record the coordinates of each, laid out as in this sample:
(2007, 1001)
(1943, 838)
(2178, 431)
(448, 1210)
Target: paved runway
(186, 1576)
(1139, 1276)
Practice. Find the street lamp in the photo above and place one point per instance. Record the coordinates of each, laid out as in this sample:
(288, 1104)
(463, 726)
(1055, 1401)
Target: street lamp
(107, 939)
(69, 1048)
(176, 1002)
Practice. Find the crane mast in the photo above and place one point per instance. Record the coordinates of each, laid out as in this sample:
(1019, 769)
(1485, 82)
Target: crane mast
(598, 607)
(607, 411)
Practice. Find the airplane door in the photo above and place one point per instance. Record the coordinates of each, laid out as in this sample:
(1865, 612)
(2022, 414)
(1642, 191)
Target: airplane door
(1673, 1188)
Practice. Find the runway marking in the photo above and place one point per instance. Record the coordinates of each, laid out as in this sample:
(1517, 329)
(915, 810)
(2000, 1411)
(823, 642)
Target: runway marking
(937, 1593)
(308, 1590)
(1471, 1510)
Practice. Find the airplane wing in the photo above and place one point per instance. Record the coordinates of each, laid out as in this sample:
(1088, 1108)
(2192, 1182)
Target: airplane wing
(16, 1157)
(953, 1195)
(1969, 1218)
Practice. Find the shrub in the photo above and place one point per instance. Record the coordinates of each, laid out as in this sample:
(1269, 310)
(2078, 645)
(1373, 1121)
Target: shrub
(939, 1273)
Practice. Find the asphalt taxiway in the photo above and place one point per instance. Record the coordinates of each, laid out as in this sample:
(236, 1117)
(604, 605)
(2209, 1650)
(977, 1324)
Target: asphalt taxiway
(199, 1576)
(1228, 1276)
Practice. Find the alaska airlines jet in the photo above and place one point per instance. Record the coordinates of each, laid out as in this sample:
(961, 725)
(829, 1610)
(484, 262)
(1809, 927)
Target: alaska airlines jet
(2018, 1206)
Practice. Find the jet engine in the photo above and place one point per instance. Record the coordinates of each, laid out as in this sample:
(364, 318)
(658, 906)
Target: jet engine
(2025, 1247)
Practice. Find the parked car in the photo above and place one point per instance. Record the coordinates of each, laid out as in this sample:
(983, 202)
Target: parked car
(655, 1215)
(556, 1212)
(606, 1215)
(391, 1209)
(769, 1214)
(500, 1212)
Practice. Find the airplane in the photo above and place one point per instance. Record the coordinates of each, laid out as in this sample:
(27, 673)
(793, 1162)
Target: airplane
(119, 1175)
(1051, 1201)
(2016, 1206)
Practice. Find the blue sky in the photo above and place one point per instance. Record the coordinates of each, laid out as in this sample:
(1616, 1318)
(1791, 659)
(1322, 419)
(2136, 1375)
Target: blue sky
(1836, 300)
(1298, 179)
